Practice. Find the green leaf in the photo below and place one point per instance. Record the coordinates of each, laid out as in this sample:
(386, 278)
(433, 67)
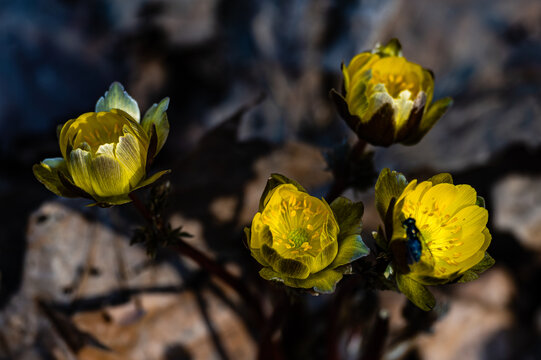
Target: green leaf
(390, 185)
(117, 98)
(415, 292)
(474, 272)
(323, 282)
(156, 115)
(274, 181)
(443, 178)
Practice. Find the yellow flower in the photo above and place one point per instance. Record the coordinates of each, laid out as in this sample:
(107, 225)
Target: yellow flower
(298, 238)
(387, 99)
(452, 230)
(105, 154)
(437, 232)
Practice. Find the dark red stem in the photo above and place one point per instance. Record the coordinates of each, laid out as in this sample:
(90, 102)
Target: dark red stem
(341, 176)
(206, 263)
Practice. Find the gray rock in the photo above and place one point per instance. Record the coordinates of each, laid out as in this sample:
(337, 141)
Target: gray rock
(516, 200)
(74, 261)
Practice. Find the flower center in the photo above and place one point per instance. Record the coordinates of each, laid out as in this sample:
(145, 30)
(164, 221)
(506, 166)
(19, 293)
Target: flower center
(397, 75)
(298, 237)
(91, 130)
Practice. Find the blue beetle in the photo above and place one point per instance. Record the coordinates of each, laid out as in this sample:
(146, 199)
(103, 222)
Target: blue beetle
(414, 247)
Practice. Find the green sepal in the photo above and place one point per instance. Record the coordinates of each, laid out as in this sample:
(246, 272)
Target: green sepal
(48, 173)
(390, 185)
(379, 130)
(432, 281)
(350, 244)
(342, 108)
(156, 115)
(435, 111)
(392, 48)
(474, 272)
(152, 148)
(348, 215)
(111, 201)
(248, 234)
(117, 98)
(380, 239)
(480, 202)
(350, 249)
(417, 293)
(59, 130)
(274, 181)
(322, 282)
(151, 179)
(443, 178)
(389, 271)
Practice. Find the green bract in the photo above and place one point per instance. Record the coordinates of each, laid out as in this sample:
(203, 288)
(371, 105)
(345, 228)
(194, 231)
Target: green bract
(301, 240)
(106, 154)
(387, 99)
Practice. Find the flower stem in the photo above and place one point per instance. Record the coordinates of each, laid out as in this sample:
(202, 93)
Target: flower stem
(341, 175)
(210, 265)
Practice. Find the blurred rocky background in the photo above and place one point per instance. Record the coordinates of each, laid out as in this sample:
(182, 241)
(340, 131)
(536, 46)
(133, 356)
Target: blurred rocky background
(73, 288)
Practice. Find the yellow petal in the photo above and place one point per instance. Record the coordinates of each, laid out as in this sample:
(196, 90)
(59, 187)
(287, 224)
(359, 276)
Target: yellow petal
(479, 255)
(412, 199)
(132, 158)
(108, 177)
(80, 169)
(452, 198)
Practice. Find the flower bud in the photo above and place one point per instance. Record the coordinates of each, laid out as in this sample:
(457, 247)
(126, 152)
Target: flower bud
(387, 99)
(105, 154)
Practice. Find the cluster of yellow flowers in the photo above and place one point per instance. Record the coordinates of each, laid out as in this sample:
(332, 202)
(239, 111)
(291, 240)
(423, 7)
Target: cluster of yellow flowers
(433, 232)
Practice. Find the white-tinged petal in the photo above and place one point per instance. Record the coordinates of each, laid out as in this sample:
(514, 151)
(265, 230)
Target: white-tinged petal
(402, 108)
(80, 169)
(379, 97)
(131, 157)
(106, 149)
(117, 98)
(57, 163)
(156, 115)
(108, 177)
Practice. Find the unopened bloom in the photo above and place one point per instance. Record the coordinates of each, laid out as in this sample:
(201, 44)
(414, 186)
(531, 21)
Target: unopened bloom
(302, 241)
(106, 154)
(387, 99)
(438, 233)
